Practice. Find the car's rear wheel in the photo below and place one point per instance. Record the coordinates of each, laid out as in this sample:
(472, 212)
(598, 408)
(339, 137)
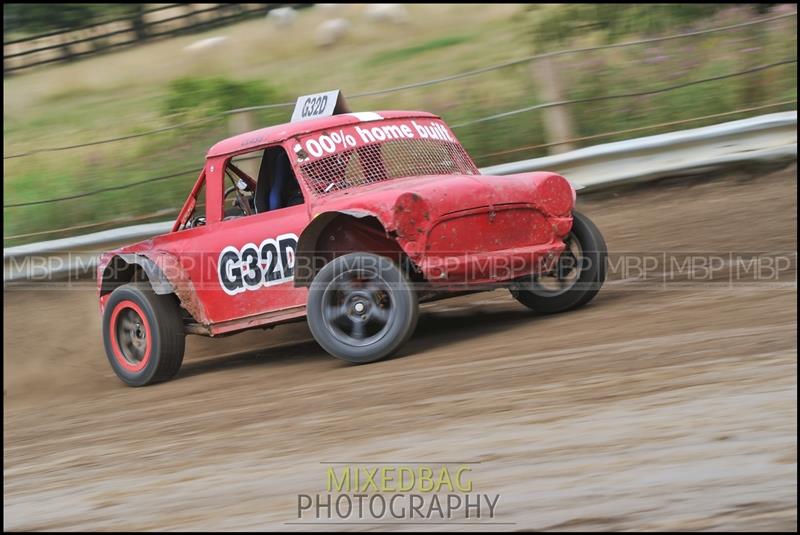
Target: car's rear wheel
(361, 307)
(143, 335)
(578, 275)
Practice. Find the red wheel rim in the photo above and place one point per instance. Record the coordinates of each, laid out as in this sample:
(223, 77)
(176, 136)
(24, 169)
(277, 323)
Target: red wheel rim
(131, 340)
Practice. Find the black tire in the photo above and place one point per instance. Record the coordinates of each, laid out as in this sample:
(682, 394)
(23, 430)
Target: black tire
(591, 272)
(361, 308)
(133, 310)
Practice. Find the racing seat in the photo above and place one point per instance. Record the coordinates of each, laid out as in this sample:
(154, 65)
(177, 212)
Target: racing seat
(279, 188)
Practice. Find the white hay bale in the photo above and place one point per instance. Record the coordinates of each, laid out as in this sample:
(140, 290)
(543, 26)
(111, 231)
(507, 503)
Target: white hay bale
(391, 13)
(282, 16)
(332, 31)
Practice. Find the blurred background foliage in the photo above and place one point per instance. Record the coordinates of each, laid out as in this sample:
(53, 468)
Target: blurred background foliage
(163, 83)
(552, 29)
(193, 98)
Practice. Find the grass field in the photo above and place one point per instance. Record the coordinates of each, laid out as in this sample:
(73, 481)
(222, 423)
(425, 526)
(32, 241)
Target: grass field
(125, 93)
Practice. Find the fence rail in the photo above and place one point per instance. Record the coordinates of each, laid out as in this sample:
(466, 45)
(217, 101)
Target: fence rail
(157, 22)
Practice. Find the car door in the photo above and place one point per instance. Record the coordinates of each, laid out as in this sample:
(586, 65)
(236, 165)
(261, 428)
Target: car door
(251, 265)
(242, 267)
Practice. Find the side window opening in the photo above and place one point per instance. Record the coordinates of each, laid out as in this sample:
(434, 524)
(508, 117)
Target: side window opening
(197, 216)
(260, 181)
(239, 185)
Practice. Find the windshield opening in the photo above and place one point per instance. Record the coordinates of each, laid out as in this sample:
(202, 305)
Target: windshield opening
(339, 160)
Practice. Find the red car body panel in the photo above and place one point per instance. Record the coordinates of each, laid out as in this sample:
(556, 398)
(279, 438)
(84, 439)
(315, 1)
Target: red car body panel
(460, 229)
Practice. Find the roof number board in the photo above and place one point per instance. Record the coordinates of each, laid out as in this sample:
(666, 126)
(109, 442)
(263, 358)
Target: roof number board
(319, 105)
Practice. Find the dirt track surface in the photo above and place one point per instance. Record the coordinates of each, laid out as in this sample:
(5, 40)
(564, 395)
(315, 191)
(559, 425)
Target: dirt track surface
(655, 407)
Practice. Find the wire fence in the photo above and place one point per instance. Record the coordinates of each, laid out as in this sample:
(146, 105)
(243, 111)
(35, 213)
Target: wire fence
(169, 212)
(638, 129)
(455, 126)
(420, 84)
(103, 190)
(459, 125)
(623, 95)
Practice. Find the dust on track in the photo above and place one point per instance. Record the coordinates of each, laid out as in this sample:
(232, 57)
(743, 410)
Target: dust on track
(655, 407)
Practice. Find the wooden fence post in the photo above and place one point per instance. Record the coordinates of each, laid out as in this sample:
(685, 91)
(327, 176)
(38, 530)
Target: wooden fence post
(558, 126)
(138, 23)
(239, 123)
(65, 49)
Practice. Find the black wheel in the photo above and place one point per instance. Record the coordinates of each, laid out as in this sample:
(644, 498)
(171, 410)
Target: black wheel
(578, 275)
(361, 307)
(143, 335)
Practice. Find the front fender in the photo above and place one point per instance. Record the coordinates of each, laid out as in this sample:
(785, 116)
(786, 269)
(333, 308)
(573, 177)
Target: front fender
(307, 262)
(164, 273)
(111, 268)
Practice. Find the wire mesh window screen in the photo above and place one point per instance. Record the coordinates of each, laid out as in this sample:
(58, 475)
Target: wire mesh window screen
(385, 161)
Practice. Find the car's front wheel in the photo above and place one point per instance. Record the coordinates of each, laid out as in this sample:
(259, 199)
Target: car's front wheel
(578, 275)
(143, 335)
(361, 307)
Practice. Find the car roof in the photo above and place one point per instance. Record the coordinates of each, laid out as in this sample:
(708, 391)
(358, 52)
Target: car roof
(281, 132)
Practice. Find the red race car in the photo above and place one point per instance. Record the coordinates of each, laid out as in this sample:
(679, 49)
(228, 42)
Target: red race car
(349, 220)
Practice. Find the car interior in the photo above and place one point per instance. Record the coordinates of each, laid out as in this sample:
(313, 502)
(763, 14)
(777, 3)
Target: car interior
(275, 188)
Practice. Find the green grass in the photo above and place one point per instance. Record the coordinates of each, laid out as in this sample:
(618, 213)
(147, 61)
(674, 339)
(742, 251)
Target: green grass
(129, 92)
(400, 54)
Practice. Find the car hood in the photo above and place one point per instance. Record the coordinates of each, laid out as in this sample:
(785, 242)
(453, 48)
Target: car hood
(444, 194)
